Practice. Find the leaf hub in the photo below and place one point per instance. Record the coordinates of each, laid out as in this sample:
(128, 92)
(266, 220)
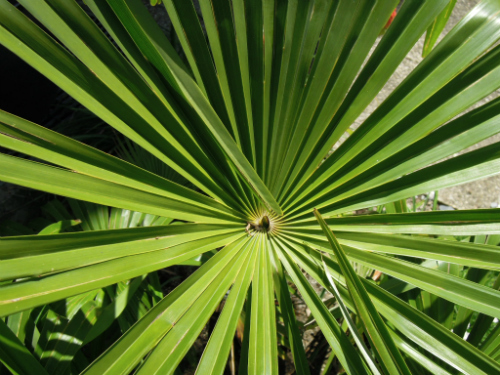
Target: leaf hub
(264, 223)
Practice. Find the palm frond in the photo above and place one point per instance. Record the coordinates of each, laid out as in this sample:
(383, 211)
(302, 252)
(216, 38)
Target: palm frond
(235, 146)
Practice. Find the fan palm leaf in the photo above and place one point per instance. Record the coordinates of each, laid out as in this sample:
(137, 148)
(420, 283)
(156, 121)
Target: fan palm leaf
(249, 119)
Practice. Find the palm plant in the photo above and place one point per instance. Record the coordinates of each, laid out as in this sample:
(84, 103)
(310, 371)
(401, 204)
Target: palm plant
(249, 120)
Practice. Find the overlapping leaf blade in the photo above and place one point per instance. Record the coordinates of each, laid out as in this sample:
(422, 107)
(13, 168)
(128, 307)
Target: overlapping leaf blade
(388, 355)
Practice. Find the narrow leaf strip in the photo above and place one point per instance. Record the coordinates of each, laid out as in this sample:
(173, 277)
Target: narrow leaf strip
(78, 186)
(414, 324)
(468, 167)
(126, 353)
(437, 28)
(463, 253)
(455, 289)
(288, 314)
(135, 18)
(31, 245)
(31, 139)
(214, 358)
(350, 323)
(42, 264)
(458, 223)
(386, 351)
(169, 352)
(32, 44)
(262, 352)
(462, 46)
(421, 358)
(29, 293)
(337, 339)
